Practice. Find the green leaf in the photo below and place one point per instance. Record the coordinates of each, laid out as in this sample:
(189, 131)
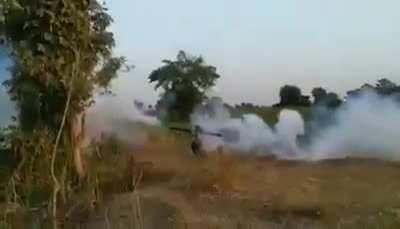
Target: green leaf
(41, 48)
(47, 36)
(63, 41)
(40, 12)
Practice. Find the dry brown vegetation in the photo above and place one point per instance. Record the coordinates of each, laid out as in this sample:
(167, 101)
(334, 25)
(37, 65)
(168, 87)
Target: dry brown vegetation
(161, 185)
(230, 190)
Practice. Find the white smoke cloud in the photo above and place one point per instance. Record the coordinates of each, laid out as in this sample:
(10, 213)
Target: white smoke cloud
(289, 126)
(366, 127)
(253, 132)
(117, 116)
(255, 136)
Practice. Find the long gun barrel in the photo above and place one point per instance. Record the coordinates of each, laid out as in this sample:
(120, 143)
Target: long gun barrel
(180, 129)
(227, 134)
(201, 132)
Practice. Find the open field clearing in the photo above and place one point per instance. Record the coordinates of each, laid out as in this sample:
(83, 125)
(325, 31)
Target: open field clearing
(174, 189)
(257, 192)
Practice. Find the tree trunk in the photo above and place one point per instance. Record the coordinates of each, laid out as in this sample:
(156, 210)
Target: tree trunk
(78, 143)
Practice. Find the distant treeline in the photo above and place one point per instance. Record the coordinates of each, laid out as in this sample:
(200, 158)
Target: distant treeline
(291, 95)
(168, 107)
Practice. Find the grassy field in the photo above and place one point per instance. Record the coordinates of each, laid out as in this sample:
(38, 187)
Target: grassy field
(227, 191)
(157, 183)
(178, 190)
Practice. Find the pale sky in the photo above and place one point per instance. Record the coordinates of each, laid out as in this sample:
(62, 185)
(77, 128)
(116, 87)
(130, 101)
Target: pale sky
(6, 108)
(259, 45)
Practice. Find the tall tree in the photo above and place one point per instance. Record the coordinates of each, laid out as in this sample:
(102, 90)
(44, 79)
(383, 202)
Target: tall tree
(290, 95)
(383, 87)
(184, 82)
(323, 98)
(62, 52)
(332, 100)
(386, 87)
(385, 84)
(319, 94)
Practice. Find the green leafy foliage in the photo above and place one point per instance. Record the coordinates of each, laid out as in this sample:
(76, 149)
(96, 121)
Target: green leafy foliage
(323, 98)
(61, 52)
(318, 93)
(184, 82)
(46, 38)
(383, 87)
(290, 95)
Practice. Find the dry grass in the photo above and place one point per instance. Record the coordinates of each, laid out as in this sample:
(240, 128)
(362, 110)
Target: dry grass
(258, 191)
(233, 191)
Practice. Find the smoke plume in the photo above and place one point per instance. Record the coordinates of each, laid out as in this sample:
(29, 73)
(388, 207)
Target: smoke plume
(364, 127)
(367, 126)
(288, 128)
(255, 136)
(118, 116)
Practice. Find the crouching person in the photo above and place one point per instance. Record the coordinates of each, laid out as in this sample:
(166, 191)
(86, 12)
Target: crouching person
(196, 142)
